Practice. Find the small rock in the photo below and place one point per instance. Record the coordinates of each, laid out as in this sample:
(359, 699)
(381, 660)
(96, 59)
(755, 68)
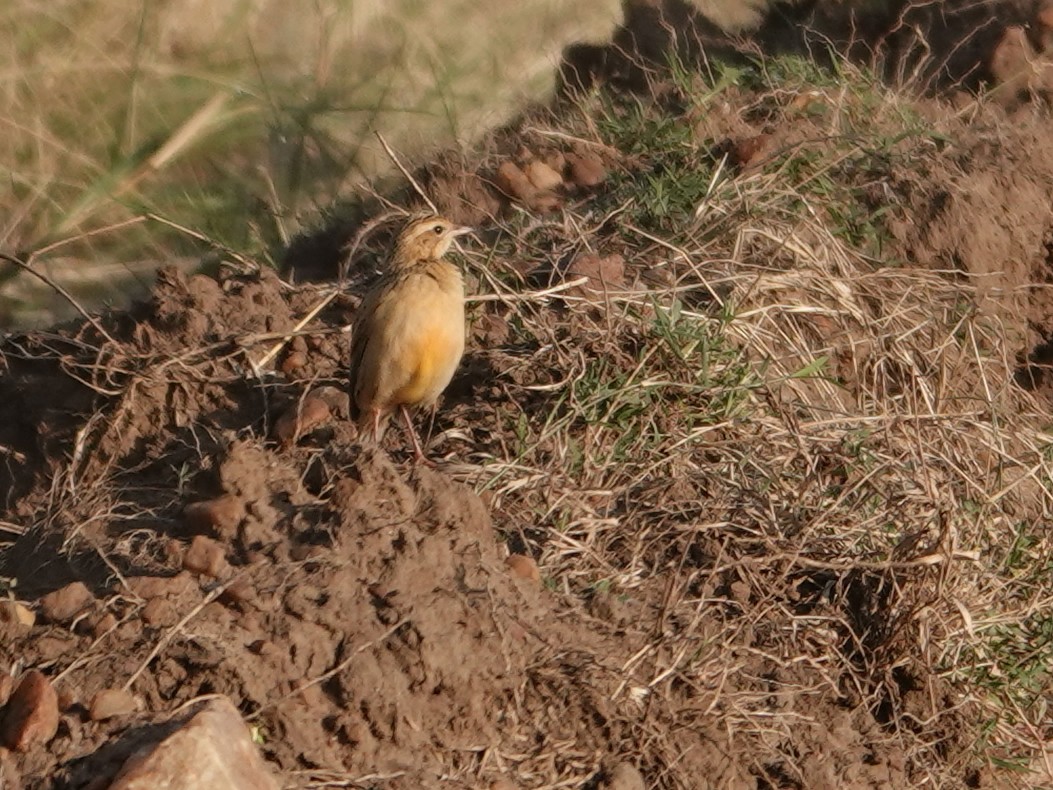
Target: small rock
(301, 417)
(542, 176)
(65, 603)
(16, 613)
(32, 714)
(213, 749)
(147, 587)
(112, 702)
(523, 567)
(586, 170)
(205, 556)
(219, 516)
(7, 683)
(624, 776)
(293, 361)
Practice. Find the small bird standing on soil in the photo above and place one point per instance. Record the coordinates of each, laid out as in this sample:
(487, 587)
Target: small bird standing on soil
(408, 334)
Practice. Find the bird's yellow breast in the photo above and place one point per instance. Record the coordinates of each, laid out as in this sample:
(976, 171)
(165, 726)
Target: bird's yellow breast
(431, 362)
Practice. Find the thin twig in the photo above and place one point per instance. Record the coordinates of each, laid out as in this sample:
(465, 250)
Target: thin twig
(527, 296)
(175, 629)
(258, 366)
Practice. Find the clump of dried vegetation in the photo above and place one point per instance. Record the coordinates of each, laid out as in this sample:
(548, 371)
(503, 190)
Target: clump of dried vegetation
(814, 457)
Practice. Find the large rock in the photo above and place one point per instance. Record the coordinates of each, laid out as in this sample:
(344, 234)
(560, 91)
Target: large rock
(211, 751)
(31, 717)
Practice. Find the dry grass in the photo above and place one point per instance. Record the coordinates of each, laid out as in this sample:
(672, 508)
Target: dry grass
(816, 461)
(235, 120)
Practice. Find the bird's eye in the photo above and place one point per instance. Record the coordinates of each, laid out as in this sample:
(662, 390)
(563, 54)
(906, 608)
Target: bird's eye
(437, 230)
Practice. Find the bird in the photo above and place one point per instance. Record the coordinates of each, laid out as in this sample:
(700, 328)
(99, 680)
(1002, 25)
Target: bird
(407, 336)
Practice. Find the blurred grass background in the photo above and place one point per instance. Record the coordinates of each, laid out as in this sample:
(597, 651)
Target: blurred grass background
(137, 133)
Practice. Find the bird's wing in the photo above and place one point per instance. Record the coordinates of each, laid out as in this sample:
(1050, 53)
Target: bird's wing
(362, 329)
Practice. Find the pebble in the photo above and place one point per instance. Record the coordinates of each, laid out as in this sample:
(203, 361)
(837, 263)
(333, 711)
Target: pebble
(112, 702)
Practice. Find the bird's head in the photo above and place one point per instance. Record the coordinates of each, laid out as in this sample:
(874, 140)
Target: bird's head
(425, 238)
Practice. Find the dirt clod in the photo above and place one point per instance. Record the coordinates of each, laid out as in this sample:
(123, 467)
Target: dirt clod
(205, 556)
(159, 613)
(300, 418)
(106, 622)
(219, 517)
(542, 176)
(64, 604)
(602, 274)
(585, 170)
(513, 182)
(153, 587)
(292, 362)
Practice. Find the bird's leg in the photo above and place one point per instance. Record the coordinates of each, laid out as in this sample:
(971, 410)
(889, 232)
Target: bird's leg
(417, 451)
(376, 426)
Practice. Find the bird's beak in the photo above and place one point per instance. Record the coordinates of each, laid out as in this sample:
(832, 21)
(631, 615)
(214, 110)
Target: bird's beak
(461, 231)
